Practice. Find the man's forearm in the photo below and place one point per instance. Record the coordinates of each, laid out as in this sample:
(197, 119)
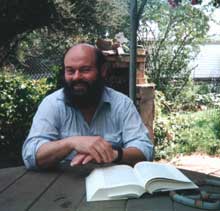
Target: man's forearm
(132, 155)
(50, 153)
(99, 149)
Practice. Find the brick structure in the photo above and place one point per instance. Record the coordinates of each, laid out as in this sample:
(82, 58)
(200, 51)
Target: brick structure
(118, 78)
(145, 105)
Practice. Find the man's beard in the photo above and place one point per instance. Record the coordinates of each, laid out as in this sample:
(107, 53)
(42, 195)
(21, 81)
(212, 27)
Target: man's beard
(84, 98)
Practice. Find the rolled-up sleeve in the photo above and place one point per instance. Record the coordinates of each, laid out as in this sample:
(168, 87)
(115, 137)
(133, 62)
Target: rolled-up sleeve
(44, 129)
(135, 134)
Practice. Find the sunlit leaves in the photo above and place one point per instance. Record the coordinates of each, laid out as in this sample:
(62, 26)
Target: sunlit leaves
(174, 44)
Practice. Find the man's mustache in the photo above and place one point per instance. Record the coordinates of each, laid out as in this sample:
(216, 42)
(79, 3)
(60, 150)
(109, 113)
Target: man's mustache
(79, 82)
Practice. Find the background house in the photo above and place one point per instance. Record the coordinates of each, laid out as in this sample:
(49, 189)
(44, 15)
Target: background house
(207, 63)
(208, 60)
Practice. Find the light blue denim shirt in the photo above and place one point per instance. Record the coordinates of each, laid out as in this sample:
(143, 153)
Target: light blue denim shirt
(116, 120)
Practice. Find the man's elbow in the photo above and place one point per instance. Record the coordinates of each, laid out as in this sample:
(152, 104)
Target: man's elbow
(148, 151)
(29, 164)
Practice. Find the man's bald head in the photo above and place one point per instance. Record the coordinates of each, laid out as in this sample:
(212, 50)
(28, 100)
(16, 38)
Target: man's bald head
(96, 54)
(81, 46)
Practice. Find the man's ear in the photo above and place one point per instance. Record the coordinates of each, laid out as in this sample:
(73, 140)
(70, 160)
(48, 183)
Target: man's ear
(104, 71)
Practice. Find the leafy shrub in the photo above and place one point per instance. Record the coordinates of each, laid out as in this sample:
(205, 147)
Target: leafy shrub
(210, 99)
(56, 78)
(187, 132)
(193, 97)
(186, 98)
(190, 123)
(162, 106)
(203, 88)
(19, 98)
(161, 125)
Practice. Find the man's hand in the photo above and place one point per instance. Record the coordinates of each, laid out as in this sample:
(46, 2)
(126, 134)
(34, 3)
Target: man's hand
(82, 159)
(99, 149)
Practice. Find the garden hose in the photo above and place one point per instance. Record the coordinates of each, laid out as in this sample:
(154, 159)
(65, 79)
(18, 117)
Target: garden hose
(203, 200)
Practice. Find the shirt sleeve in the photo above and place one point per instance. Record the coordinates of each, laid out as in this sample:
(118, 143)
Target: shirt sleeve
(135, 134)
(44, 129)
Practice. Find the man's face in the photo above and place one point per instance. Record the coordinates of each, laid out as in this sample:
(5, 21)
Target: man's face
(83, 81)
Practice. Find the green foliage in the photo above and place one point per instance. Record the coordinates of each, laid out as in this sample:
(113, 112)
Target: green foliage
(186, 100)
(19, 98)
(204, 88)
(161, 125)
(190, 123)
(187, 132)
(92, 18)
(78, 21)
(174, 41)
(60, 23)
(55, 80)
(194, 97)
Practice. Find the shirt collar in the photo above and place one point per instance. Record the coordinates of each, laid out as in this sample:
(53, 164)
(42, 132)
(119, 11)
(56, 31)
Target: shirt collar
(105, 96)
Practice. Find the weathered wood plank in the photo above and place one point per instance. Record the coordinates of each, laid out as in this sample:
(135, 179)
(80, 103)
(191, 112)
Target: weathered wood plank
(103, 205)
(9, 175)
(152, 203)
(193, 175)
(26, 190)
(180, 207)
(66, 193)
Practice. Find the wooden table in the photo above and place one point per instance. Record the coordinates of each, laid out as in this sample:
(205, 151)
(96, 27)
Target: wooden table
(64, 189)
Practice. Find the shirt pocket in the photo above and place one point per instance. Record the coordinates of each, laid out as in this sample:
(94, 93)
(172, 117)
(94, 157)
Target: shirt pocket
(114, 138)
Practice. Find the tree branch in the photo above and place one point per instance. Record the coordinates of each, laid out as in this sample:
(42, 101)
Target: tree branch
(140, 12)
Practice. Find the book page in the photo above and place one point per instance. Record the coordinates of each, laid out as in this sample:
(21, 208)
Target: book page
(146, 171)
(119, 175)
(167, 185)
(121, 182)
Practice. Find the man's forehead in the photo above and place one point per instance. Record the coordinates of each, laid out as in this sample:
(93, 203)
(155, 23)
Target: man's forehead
(81, 49)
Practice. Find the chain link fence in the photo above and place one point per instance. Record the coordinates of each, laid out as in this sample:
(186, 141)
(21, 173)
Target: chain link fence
(37, 67)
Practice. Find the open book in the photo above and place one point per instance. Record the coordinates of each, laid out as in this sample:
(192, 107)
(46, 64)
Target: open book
(123, 181)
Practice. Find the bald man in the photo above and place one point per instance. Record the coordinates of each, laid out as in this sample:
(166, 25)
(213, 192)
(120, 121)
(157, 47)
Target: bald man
(86, 121)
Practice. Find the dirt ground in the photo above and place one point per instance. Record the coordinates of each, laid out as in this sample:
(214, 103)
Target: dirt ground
(197, 162)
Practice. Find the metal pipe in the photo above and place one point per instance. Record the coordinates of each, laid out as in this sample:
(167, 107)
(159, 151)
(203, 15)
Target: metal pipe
(133, 50)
